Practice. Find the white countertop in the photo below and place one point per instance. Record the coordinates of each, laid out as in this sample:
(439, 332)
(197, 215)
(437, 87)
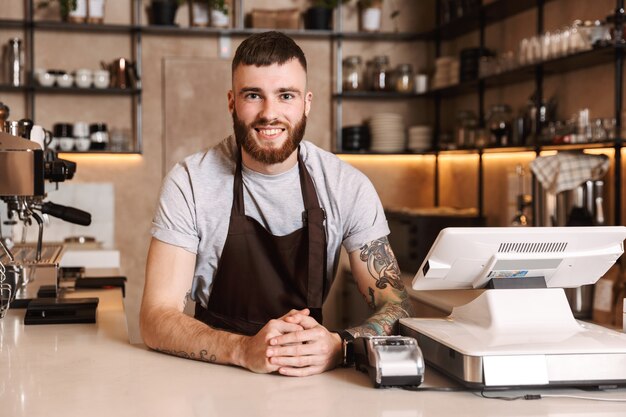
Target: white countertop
(92, 370)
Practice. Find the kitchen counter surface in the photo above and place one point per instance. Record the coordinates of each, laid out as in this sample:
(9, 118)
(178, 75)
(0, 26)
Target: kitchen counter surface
(92, 370)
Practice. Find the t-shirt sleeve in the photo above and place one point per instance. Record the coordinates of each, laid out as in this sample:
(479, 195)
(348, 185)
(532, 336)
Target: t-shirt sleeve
(365, 216)
(175, 219)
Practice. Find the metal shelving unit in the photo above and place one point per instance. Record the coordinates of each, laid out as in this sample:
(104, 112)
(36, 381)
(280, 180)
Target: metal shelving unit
(31, 89)
(478, 20)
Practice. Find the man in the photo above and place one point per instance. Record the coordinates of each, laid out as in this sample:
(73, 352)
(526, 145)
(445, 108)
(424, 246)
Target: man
(251, 230)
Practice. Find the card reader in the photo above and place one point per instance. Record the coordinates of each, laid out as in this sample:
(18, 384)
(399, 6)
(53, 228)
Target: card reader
(390, 360)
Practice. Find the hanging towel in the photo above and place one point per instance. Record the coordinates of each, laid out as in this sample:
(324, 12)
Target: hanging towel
(567, 170)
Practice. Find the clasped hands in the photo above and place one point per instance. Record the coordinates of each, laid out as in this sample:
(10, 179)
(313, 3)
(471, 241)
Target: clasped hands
(293, 345)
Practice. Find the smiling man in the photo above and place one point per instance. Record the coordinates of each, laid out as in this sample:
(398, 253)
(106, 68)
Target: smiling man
(251, 230)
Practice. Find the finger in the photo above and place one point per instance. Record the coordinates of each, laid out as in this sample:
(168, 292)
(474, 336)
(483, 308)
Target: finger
(299, 349)
(302, 336)
(281, 326)
(307, 322)
(292, 312)
(297, 361)
(306, 371)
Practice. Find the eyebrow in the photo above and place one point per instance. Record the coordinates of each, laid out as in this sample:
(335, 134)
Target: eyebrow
(280, 90)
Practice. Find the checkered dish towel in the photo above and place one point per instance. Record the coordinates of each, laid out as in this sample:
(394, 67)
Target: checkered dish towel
(567, 170)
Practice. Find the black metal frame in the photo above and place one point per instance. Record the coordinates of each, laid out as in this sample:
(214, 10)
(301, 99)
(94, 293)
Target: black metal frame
(486, 15)
(31, 89)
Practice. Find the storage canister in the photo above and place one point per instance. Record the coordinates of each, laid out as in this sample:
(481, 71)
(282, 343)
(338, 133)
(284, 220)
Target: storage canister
(404, 78)
(352, 73)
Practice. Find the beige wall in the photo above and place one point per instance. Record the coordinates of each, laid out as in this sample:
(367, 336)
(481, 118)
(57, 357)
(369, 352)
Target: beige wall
(184, 109)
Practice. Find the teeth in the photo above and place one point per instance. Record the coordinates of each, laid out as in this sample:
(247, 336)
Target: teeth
(270, 132)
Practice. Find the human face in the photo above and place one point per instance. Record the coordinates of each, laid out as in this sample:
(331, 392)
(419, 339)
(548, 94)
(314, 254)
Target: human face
(269, 108)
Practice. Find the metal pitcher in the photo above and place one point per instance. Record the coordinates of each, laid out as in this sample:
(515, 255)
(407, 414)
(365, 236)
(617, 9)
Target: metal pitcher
(123, 73)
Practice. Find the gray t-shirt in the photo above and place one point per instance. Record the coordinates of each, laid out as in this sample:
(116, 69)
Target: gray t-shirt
(197, 196)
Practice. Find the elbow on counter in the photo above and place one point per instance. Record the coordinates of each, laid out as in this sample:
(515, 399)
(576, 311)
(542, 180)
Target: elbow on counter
(149, 330)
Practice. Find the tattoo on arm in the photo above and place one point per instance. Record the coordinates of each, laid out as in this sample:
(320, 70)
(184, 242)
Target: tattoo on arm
(383, 267)
(382, 264)
(372, 300)
(203, 355)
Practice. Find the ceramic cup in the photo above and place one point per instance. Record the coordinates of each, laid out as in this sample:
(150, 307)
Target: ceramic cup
(64, 80)
(45, 79)
(54, 143)
(83, 78)
(66, 144)
(81, 130)
(83, 144)
(101, 78)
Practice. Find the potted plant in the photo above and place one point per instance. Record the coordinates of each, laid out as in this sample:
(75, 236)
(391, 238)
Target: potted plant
(163, 12)
(205, 12)
(320, 15)
(370, 13)
(70, 10)
(219, 14)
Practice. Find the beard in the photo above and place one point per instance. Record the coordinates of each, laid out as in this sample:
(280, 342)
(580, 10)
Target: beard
(267, 153)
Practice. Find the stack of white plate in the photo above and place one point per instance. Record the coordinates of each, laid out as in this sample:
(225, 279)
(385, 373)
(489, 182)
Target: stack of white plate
(420, 138)
(446, 72)
(387, 133)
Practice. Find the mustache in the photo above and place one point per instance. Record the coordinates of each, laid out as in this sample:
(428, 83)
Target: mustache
(263, 121)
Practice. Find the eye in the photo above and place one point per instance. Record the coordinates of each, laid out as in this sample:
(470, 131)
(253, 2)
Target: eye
(252, 96)
(287, 96)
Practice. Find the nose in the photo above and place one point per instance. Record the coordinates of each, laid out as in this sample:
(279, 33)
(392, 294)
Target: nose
(269, 110)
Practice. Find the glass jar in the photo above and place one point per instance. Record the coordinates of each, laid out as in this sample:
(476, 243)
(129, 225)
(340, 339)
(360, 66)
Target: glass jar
(352, 73)
(466, 124)
(499, 123)
(404, 78)
(380, 73)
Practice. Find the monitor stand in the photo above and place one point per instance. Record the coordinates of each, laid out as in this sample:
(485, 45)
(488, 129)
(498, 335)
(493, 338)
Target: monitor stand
(520, 337)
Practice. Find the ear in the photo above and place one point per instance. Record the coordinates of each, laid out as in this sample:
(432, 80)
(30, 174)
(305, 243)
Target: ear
(308, 98)
(231, 101)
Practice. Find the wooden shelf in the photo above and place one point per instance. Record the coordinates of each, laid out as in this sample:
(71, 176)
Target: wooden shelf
(86, 91)
(82, 27)
(208, 31)
(13, 23)
(382, 95)
(498, 149)
(105, 152)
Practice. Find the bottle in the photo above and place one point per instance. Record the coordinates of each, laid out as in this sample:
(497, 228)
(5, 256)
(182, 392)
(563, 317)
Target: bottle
(499, 124)
(15, 62)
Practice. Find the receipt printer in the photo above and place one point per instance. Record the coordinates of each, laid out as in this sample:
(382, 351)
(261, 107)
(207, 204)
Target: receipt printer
(390, 360)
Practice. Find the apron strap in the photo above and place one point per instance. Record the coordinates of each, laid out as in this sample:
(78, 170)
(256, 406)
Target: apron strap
(314, 217)
(238, 208)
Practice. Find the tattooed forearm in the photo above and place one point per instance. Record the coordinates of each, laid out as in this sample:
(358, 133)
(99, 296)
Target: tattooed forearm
(203, 355)
(372, 300)
(385, 320)
(382, 264)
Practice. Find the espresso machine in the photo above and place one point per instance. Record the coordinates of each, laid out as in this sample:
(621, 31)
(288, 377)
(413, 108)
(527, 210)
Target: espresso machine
(29, 274)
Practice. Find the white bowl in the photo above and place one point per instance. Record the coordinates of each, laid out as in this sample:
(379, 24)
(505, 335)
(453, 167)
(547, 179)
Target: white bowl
(83, 78)
(45, 79)
(66, 144)
(82, 144)
(64, 80)
(101, 79)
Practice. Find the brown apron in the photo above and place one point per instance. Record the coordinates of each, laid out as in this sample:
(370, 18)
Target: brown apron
(261, 276)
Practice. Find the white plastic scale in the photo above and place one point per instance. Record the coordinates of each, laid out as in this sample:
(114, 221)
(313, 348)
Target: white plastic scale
(517, 336)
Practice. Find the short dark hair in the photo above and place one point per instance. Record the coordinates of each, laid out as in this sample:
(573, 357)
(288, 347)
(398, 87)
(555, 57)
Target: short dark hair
(267, 48)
